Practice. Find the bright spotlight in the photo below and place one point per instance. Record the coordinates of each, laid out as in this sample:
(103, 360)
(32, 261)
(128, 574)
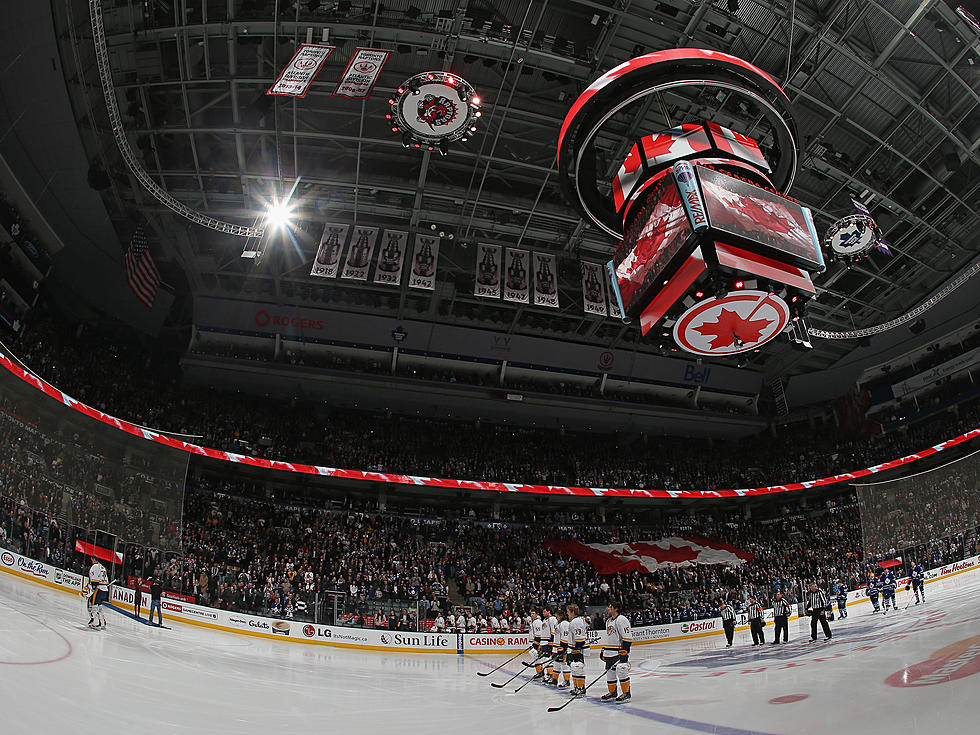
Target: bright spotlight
(278, 216)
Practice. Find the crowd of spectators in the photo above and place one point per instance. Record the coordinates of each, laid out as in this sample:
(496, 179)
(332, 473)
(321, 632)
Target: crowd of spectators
(147, 391)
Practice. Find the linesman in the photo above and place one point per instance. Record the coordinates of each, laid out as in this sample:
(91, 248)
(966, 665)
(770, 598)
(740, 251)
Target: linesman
(780, 610)
(816, 605)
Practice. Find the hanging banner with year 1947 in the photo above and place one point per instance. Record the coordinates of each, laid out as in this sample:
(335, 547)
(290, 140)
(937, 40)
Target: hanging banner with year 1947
(301, 70)
(361, 74)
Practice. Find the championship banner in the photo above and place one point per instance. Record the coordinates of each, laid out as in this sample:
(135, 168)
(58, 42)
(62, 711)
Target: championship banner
(545, 281)
(648, 556)
(594, 288)
(391, 258)
(361, 74)
(487, 271)
(359, 256)
(424, 262)
(301, 70)
(332, 241)
(516, 281)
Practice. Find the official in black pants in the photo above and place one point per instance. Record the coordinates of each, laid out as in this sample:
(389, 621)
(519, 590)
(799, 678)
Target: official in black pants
(756, 622)
(817, 604)
(781, 609)
(727, 613)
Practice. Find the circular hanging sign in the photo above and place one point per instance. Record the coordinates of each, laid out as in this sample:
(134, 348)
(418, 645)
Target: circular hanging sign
(738, 322)
(434, 108)
(436, 111)
(852, 236)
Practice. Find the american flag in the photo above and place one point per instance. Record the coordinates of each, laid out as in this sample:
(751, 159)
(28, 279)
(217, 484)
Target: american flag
(141, 272)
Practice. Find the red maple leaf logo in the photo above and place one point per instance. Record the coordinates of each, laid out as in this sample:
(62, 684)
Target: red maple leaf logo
(654, 147)
(731, 327)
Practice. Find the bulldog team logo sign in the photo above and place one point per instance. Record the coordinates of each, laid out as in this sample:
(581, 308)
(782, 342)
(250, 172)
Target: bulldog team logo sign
(739, 322)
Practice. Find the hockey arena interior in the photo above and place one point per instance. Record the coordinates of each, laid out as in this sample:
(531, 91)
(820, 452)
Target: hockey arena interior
(490, 366)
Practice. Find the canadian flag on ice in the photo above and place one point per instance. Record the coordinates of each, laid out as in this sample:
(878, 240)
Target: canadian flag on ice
(648, 556)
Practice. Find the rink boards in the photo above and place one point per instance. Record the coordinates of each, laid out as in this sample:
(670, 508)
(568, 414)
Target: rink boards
(386, 640)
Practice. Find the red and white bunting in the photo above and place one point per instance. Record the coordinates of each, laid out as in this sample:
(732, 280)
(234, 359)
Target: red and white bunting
(301, 70)
(361, 74)
(391, 257)
(648, 556)
(359, 256)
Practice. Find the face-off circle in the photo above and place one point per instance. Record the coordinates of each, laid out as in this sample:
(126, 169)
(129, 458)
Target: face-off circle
(739, 322)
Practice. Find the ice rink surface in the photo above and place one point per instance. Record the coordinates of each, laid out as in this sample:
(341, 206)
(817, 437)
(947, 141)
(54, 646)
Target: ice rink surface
(915, 671)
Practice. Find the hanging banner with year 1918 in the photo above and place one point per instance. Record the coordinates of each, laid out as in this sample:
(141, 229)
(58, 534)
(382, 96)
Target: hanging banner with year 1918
(301, 70)
(361, 74)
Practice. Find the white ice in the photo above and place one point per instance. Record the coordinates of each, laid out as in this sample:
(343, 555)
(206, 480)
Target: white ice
(60, 677)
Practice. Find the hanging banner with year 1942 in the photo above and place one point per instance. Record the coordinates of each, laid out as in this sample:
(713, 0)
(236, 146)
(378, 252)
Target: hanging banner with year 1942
(301, 70)
(361, 74)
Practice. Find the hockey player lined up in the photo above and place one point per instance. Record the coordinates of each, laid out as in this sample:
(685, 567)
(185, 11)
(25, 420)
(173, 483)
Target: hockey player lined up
(99, 584)
(537, 635)
(577, 636)
(616, 655)
(917, 579)
(840, 592)
(439, 626)
(888, 585)
(756, 621)
(727, 613)
(549, 638)
(780, 614)
(874, 589)
(816, 605)
(562, 674)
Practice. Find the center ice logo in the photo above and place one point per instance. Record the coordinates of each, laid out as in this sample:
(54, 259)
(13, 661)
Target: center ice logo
(953, 662)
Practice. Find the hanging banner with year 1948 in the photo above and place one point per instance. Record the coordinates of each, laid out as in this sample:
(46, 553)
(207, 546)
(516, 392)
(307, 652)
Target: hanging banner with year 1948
(301, 70)
(361, 74)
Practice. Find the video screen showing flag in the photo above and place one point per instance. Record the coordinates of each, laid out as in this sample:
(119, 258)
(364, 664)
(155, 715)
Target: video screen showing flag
(98, 482)
(657, 233)
(751, 213)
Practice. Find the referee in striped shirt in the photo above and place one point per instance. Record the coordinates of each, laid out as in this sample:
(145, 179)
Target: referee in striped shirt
(727, 613)
(817, 604)
(780, 614)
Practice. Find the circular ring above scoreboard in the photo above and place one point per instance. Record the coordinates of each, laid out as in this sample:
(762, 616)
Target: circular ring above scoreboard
(852, 236)
(738, 322)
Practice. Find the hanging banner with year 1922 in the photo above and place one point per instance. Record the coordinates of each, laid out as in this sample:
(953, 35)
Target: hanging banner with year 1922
(301, 70)
(361, 74)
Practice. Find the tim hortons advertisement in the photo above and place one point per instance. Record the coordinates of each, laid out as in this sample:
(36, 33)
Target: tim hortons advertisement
(327, 261)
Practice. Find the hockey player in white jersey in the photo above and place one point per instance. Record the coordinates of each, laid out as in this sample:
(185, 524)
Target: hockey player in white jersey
(563, 672)
(548, 644)
(439, 626)
(578, 637)
(537, 635)
(616, 653)
(99, 584)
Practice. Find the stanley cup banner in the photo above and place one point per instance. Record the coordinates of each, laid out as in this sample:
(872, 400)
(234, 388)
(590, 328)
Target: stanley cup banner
(391, 257)
(594, 288)
(424, 262)
(332, 241)
(361, 74)
(301, 70)
(359, 256)
(487, 271)
(545, 281)
(517, 276)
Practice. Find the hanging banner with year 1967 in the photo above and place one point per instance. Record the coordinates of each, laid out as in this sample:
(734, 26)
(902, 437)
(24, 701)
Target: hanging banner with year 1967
(361, 74)
(301, 70)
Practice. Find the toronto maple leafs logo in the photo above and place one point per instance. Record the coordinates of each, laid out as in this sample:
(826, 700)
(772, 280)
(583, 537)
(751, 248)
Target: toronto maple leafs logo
(739, 322)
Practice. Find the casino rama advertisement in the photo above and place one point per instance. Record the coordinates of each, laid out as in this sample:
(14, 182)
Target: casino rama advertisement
(299, 631)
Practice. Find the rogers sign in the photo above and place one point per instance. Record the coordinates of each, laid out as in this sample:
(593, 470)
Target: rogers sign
(264, 319)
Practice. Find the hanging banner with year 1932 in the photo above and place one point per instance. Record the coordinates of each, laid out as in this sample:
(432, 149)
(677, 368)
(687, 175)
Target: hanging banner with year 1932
(361, 74)
(301, 70)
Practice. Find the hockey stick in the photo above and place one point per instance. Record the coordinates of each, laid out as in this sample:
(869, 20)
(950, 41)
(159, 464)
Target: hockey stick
(487, 673)
(501, 686)
(539, 662)
(572, 699)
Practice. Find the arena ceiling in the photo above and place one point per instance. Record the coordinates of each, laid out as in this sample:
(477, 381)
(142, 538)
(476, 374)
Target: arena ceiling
(886, 93)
